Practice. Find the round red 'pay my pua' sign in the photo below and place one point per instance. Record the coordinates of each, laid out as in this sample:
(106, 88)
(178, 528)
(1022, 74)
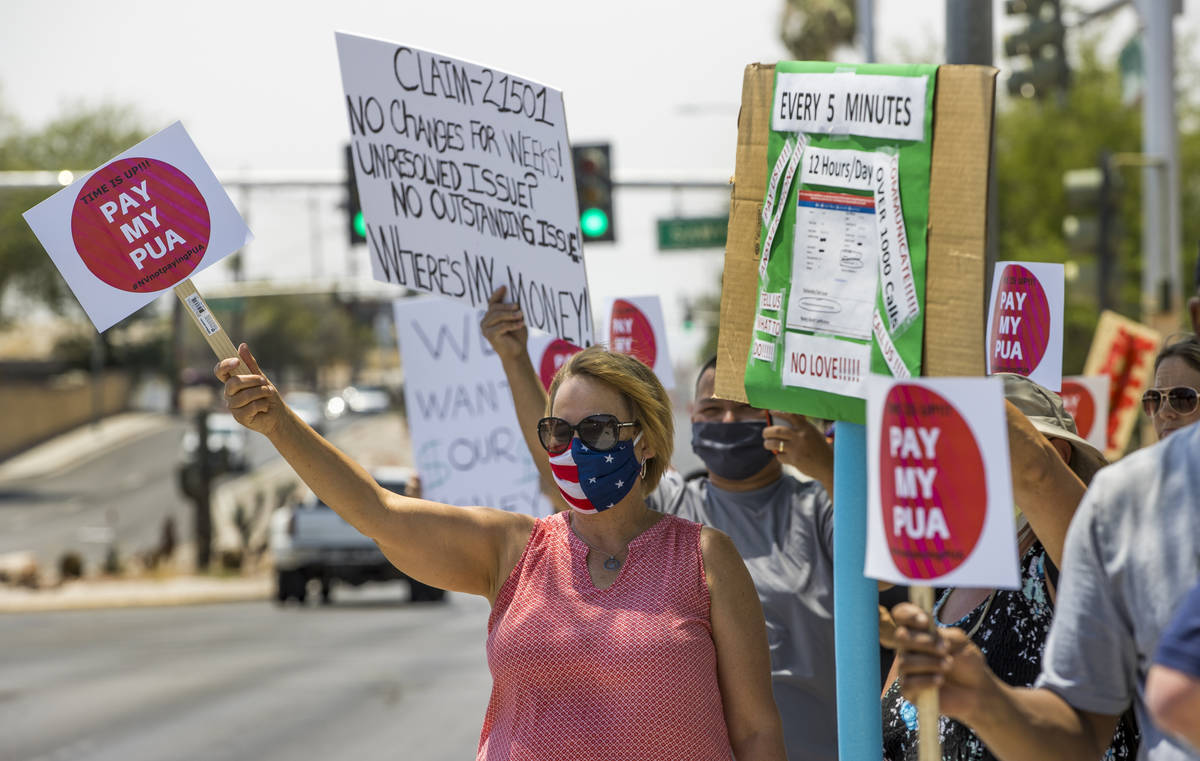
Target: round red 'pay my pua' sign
(556, 353)
(1020, 323)
(140, 224)
(1078, 402)
(630, 332)
(933, 489)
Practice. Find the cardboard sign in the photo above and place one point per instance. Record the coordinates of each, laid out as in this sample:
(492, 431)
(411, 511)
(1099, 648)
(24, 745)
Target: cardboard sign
(1025, 322)
(143, 222)
(958, 180)
(842, 235)
(1085, 397)
(636, 327)
(1124, 351)
(466, 182)
(465, 436)
(939, 511)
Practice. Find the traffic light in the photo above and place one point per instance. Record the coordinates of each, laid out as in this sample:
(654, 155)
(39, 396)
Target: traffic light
(594, 188)
(1091, 226)
(356, 225)
(1042, 43)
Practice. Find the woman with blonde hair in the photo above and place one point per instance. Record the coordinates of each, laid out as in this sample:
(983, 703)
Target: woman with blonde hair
(615, 631)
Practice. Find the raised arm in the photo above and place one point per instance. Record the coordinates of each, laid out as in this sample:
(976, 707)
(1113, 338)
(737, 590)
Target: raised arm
(743, 660)
(457, 548)
(503, 325)
(1044, 487)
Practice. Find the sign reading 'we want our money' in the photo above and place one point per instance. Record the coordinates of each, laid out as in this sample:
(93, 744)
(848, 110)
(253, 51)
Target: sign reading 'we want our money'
(466, 182)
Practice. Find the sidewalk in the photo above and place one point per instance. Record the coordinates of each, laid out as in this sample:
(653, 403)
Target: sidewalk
(89, 594)
(79, 445)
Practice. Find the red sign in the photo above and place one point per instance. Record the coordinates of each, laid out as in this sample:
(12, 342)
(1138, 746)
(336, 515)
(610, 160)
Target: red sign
(557, 352)
(1020, 323)
(630, 332)
(1079, 404)
(933, 487)
(140, 225)
(1124, 351)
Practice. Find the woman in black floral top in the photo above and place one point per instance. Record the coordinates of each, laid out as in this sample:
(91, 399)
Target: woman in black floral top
(1010, 626)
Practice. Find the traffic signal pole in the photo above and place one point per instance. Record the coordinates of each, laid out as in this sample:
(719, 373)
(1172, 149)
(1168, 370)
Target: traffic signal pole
(1161, 256)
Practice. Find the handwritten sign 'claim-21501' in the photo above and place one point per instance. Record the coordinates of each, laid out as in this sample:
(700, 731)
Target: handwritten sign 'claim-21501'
(466, 182)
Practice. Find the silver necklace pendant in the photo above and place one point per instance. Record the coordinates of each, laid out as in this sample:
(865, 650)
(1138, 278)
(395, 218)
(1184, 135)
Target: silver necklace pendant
(612, 563)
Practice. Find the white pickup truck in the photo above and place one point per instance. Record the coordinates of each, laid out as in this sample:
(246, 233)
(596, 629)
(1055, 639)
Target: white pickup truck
(309, 541)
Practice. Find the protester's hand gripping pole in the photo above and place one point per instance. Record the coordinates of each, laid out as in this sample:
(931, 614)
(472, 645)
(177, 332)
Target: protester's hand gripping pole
(929, 742)
(206, 321)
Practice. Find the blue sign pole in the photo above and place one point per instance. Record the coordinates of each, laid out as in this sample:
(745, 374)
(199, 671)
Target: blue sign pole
(855, 616)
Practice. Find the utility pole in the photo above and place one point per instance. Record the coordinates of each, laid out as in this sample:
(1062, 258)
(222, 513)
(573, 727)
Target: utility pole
(864, 19)
(202, 498)
(969, 32)
(969, 39)
(1161, 257)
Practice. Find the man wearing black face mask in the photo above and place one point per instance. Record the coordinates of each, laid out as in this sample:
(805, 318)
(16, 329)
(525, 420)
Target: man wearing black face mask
(782, 526)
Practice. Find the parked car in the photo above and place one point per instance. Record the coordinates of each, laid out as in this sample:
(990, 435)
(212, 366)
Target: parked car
(310, 542)
(309, 407)
(226, 443)
(367, 400)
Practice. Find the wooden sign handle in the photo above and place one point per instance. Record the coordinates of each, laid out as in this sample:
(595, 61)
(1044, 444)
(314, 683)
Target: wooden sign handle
(206, 321)
(929, 742)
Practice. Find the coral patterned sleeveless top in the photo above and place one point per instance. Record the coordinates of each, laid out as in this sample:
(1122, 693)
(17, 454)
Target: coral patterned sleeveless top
(627, 673)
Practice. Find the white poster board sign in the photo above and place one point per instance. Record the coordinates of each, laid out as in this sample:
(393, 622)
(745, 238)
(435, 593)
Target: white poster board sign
(146, 220)
(466, 441)
(635, 326)
(939, 512)
(1085, 397)
(466, 182)
(1025, 322)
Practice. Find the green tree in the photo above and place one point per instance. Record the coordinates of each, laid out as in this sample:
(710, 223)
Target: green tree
(1036, 142)
(812, 29)
(298, 336)
(82, 137)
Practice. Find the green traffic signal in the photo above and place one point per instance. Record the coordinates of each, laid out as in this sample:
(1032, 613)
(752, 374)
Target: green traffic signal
(360, 225)
(593, 222)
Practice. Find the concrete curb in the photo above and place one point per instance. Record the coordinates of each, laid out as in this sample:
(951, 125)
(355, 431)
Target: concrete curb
(93, 594)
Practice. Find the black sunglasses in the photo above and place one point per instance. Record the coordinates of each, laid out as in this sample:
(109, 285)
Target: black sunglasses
(1183, 399)
(600, 432)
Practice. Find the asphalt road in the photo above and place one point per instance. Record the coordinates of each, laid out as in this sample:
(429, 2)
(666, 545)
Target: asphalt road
(369, 677)
(131, 489)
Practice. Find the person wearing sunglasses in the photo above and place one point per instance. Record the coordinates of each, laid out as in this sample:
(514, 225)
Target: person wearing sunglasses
(1174, 401)
(615, 631)
(781, 525)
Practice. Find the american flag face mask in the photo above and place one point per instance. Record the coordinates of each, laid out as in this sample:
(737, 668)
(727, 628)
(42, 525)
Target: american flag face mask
(591, 481)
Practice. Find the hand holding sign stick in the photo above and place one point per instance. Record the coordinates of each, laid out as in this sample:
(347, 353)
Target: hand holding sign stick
(929, 741)
(143, 222)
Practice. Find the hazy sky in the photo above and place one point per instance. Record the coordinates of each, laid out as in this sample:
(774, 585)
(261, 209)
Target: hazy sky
(257, 86)
(257, 83)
